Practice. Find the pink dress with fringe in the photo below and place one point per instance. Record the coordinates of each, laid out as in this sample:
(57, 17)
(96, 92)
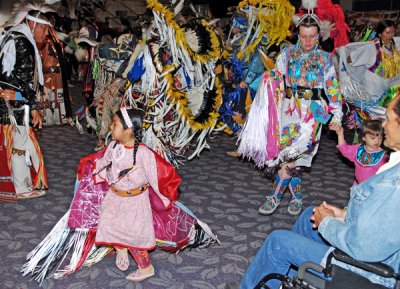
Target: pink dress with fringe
(128, 221)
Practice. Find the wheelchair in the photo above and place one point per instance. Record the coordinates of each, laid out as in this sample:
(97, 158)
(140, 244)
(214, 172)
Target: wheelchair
(310, 274)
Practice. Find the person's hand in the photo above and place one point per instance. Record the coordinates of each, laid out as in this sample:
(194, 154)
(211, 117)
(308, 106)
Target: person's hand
(7, 94)
(325, 210)
(338, 130)
(319, 214)
(339, 213)
(36, 119)
(335, 126)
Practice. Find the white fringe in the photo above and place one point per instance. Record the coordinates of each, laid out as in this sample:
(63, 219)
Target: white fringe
(47, 249)
(253, 137)
(76, 243)
(96, 255)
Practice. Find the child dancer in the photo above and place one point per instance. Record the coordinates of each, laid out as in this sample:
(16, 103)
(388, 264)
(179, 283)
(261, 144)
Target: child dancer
(126, 197)
(368, 156)
(126, 220)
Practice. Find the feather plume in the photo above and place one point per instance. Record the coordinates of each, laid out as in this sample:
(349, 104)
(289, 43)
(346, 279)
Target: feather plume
(193, 9)
(195, 99)
(333, 13)
(309, 4)
(192, 40)
(325, 29)
(21, 10)
(179, 7)
(213, 22)
(295, 19)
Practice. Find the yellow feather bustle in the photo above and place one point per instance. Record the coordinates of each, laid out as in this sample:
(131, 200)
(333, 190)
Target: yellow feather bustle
(168, 16)
(274, 18)
(181, 98)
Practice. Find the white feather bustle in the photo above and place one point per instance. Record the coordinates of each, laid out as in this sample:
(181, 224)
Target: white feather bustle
(195, 99)
(192, 40)
(309, 4)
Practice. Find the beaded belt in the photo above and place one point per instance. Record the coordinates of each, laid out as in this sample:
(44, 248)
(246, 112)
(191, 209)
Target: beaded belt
(129, 193)
(306, 93)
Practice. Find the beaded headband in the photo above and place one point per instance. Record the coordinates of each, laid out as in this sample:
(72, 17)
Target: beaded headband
(38, 20)
(305, 16)
(126, 117)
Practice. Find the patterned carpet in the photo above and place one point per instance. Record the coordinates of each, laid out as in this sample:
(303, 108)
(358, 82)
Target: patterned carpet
(222, 191)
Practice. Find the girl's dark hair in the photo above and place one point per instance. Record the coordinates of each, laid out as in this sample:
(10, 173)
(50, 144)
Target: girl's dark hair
(136, 117)
(382, 25)
(373, 127)
(309, 22)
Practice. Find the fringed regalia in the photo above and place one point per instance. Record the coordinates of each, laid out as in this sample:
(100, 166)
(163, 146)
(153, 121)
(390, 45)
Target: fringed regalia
(56, 99)
(297, 97)
(292, 102)
(110, 87)
(73, 237)
(22, 168)
(261, 24)
(372, 78)
(171, 75)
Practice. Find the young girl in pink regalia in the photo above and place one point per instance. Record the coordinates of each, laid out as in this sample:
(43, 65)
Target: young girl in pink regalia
(126, 220)
(126, 198)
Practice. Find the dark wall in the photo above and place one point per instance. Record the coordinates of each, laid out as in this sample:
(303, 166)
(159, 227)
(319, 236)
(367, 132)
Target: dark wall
(372, 5)
(219, 7)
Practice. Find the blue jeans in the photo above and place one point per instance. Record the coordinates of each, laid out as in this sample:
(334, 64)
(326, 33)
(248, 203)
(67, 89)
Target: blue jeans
(284, 249)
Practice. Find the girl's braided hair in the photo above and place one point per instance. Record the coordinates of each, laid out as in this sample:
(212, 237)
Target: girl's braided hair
(136, 117)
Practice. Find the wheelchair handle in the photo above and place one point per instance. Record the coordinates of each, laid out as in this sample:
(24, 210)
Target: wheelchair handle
(373, 267)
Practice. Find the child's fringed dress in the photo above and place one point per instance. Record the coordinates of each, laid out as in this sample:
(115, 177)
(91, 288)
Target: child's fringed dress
(100, 218)
(128, 221)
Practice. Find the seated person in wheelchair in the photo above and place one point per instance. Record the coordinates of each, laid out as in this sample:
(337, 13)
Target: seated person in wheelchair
(367, 230)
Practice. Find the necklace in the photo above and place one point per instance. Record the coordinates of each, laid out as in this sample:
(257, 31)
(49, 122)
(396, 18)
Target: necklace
(304, 66)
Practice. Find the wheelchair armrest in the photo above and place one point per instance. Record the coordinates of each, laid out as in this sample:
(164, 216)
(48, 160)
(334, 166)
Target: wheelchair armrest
(373, 267)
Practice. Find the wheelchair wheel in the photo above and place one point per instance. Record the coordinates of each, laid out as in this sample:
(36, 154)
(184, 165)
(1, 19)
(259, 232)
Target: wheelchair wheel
(285, 281)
